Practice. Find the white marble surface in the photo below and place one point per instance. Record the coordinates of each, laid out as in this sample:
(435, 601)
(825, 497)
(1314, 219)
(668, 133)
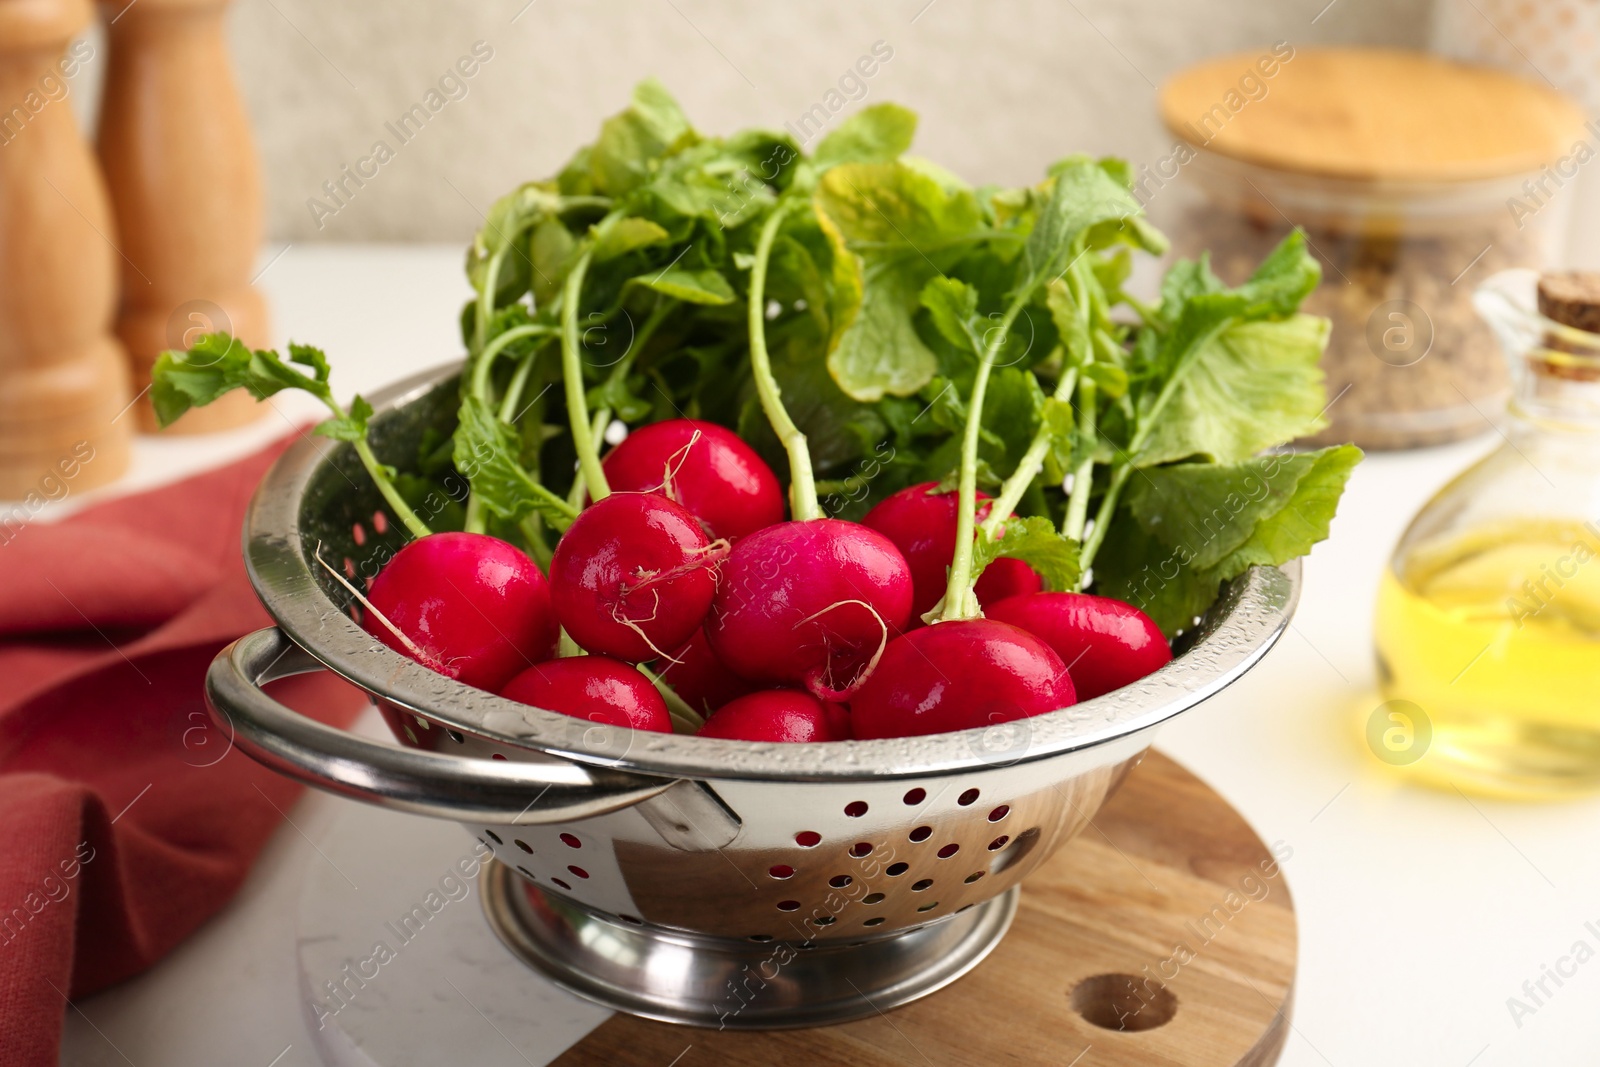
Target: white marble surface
(1420, 912)
(417, 977)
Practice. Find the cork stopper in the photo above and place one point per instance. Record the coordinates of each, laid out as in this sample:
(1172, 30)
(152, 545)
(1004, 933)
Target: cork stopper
(1571, 298)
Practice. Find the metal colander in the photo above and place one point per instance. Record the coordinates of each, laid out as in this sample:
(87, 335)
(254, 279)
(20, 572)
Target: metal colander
(704, 881)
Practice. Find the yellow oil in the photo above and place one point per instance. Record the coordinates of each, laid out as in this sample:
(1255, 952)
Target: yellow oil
(1495, 636)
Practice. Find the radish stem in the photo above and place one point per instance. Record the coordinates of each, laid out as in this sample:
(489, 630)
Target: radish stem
(380, 477)
(1028, 466)
(483, 365)
(1081, 290)
(802, 484)
(1147, 424)
(594, 476)
(683, 716)
(491, 282)
(959, 601)
(532, 524)
(475, 519)
(602, 416)
(532, 527)
(1102, 517)
(1083, 474)
(580, 488)
(519, 381)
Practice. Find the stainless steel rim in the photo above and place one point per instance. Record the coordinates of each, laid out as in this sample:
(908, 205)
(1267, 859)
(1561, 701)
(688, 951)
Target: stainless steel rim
(1248, 619)
(783, 985)
(405, 779)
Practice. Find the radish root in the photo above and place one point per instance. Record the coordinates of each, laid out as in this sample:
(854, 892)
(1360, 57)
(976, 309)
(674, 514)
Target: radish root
(825, 681)
(655, 608)
(674, 464)
(709, 556)
(422, 657)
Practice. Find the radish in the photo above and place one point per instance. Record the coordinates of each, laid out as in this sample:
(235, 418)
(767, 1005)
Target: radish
(775, 715)
(470, 606)
(838, 719)
(1006, 577)
(717, 477)
(964, 671)
(812, 601)
(633, 576)
(696, 674)
(1105, 643)
(959, 675)
(809, 603)
(634, 573)
(921, 521)
(597, 688)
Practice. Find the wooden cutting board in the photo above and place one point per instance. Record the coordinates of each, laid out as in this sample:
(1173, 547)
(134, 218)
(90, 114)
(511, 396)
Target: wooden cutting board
(1164, 936)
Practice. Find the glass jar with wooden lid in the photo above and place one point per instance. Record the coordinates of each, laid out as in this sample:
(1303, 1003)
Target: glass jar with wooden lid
(1413, 177)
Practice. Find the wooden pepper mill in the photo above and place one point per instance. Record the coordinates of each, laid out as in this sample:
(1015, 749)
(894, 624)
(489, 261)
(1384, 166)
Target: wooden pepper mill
(63, 376)
(182, 169)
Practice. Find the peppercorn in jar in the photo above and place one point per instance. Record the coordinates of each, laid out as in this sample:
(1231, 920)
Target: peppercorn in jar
(1414, 179)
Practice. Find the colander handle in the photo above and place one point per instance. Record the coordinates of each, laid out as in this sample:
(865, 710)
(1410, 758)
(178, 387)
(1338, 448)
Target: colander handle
(445, 787)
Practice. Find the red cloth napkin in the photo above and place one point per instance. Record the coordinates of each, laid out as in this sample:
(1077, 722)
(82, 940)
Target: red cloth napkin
(125, 819)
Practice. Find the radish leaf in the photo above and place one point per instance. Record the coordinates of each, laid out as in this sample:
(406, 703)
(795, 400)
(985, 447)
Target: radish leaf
(876, 134)
(1248, 386)
(1192, 526)
(351, 426)
(902, 223)
(1084, 195)
(630, 141)
(1214, 510)
(881, 353)
(627, 235)
(219, 363)
(691, 286)
(485, 454)
(1035, 542)
(953, 306)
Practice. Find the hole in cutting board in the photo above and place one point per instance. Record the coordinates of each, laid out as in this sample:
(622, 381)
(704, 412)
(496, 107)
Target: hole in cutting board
(1123, 1002)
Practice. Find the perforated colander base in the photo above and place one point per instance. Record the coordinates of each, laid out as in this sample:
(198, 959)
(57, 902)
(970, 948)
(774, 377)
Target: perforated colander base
(727, 983)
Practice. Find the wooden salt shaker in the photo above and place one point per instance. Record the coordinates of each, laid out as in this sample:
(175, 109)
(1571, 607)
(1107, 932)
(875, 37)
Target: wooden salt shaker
(181, 165)
(63, 376)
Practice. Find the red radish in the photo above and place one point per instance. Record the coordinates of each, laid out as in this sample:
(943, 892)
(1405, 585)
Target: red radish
(633, 576)
(921, 521)
(838, 718)
(959, 675)
(1105, 643)
(775, 715)
(716, 477)
(696, 675)
(469, 605)
(1006, 577)
(812, 601)
(597, 688)
(809, 603)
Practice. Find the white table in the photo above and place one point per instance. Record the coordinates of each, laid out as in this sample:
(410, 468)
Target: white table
(1420, 912)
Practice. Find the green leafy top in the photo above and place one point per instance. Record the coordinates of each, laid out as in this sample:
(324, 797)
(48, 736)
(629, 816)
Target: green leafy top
(917, 329)
(218, 363)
